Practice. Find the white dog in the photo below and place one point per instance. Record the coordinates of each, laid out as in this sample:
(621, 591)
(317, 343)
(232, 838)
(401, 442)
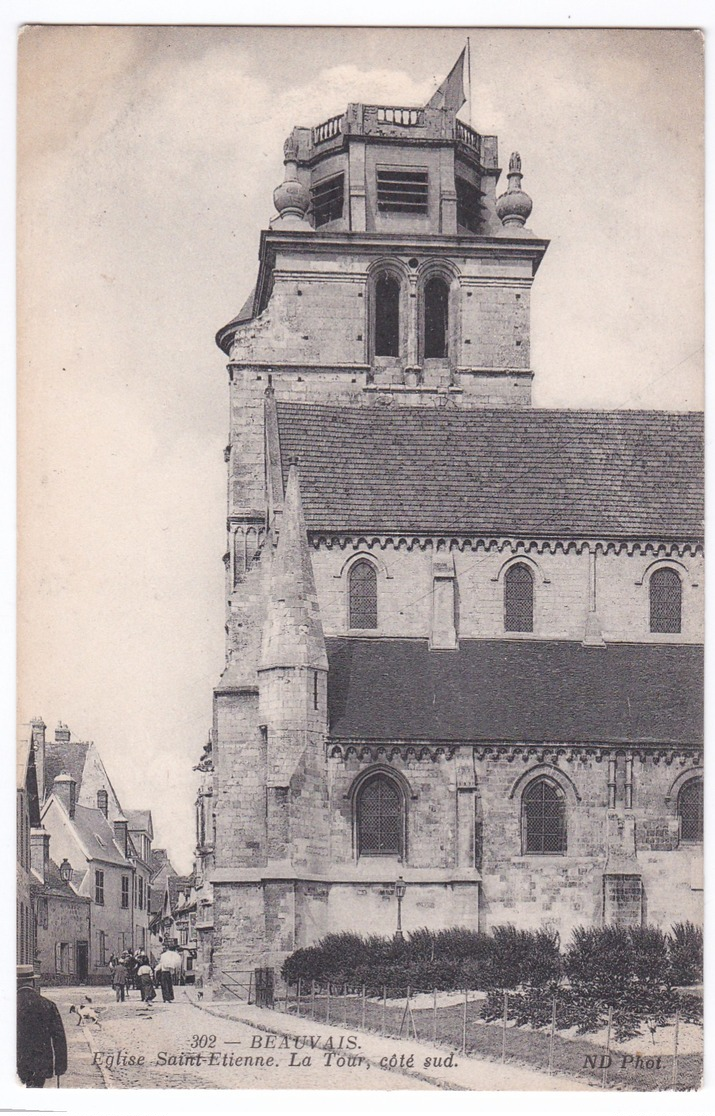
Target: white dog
(85, 1014)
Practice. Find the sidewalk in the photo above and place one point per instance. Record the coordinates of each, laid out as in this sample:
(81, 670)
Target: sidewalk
(406, 1057)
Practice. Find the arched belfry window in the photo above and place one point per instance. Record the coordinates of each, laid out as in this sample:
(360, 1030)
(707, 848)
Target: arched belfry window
(387, 316)
(543, 818)
(690, 810)
(362, 593)
(380, 817)
(103, 802)
(436, 298)
(519, 599)
(666, 594)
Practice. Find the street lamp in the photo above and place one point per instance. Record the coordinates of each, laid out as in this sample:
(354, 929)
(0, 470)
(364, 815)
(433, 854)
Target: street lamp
(400, 889)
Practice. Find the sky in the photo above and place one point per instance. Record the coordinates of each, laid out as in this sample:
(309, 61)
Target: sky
(147, 160)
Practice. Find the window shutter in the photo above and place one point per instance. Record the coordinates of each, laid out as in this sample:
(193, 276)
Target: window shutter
(70, 966)
(58, 957)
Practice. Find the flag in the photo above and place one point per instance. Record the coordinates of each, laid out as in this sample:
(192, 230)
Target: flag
(451, 95)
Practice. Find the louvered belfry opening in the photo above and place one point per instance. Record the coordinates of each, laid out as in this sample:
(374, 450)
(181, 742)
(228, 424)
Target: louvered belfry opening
(379, 818)
(363, 595)
(328, 199)
(469, 205)
(519, 599)
(402, 191)
(665, 601)
(543, 818)
(387, 316)
(690, 810)
(436, 317)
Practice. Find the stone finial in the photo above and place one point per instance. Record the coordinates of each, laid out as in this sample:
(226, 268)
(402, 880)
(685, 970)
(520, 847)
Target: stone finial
(290, 149)
(291, 198)
(514, 206)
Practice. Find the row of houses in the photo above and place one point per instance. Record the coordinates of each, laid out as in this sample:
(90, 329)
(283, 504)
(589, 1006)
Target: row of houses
(88, 881)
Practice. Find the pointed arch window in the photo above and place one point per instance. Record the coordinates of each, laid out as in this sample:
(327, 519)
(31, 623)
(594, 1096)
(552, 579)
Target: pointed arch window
(543, 818)
(380, 818)
(362, 593)
(519, 599)
(690, 810)
(436, 317)
(103, 802)
(666, 598)
(387, 316)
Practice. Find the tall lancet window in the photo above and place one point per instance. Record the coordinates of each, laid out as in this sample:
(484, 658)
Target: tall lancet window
(436, 317)
(665, 601)
(380, 818)
(543, 818)
(362, 592)
(690, 810)
(519, 599)
(387, 316)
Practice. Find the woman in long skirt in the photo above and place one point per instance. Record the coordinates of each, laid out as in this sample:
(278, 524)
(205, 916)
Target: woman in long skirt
(146, 982)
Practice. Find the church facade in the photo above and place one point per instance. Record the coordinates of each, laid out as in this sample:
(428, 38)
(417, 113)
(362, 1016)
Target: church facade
(464, 635)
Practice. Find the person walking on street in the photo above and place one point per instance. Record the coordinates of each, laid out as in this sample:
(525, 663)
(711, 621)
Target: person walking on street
(41, 1041)
(131, 967)
(146, 982)
(120, 979)
(162, 976)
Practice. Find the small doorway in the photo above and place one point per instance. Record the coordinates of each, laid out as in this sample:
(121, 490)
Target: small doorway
(82, 957)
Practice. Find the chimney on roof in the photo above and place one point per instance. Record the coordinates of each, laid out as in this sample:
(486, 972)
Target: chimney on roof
(38, 728)
(62, 734)
(120, 835)
(65, 788)
(40, 852)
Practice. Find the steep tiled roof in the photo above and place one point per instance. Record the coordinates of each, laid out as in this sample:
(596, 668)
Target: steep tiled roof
(139, 820)
(515, 690)
(97, 835)
(177, 885)
(159, 859)
(496, 472)
(65, 759)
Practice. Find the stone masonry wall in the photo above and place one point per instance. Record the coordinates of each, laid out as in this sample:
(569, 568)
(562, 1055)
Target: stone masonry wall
(561, 598)
(67, 921)
(319, 310)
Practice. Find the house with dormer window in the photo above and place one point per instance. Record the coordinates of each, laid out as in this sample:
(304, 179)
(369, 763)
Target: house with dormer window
(99, 852)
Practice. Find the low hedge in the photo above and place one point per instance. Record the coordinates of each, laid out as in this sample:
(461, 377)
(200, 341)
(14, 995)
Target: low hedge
(633, 972)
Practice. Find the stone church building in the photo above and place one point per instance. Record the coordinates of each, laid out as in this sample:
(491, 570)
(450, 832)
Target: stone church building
(464, 635)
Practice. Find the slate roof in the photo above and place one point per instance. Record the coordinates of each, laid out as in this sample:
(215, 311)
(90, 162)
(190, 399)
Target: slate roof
(540, 473)
(515, 690)
(65, 759)
(55, 885)
(97, 835)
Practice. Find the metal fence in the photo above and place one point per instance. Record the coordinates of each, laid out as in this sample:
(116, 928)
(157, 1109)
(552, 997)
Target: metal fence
(462, 1027)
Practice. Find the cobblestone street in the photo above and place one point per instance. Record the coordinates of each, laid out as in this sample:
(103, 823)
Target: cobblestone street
(169, 1036)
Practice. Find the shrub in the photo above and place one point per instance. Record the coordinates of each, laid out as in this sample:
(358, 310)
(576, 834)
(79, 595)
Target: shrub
(685, 950)
(523, 957)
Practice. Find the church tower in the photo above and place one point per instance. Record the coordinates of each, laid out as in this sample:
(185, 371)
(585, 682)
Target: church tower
(391, 276)
(463, 635)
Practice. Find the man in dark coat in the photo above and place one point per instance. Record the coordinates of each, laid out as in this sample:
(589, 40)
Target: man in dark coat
(41, 1042)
